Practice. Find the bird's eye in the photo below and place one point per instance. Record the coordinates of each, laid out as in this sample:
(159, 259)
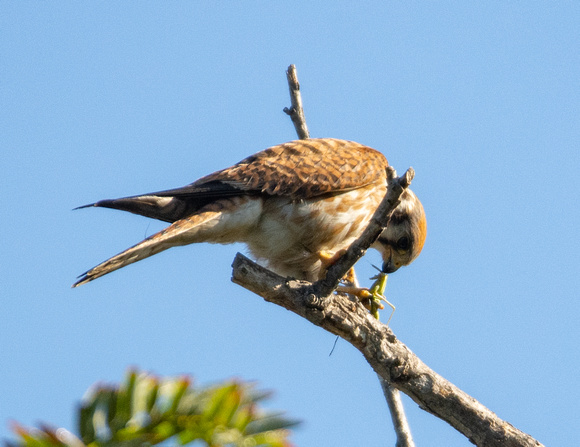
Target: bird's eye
(403, 243)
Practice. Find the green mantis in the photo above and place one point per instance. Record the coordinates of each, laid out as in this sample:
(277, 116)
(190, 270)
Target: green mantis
(377, 291)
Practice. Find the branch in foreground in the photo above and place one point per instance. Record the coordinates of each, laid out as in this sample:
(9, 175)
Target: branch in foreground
(296, 112)
(390, 358)
(373, 230)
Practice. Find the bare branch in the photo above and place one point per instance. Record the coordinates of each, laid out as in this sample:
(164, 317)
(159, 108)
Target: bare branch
(390, 358)
(402, 429)
(296, 112)
(345, 316)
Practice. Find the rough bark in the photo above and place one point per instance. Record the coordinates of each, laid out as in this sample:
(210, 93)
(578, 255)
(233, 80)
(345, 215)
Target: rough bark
(389, 357)
(397, 367)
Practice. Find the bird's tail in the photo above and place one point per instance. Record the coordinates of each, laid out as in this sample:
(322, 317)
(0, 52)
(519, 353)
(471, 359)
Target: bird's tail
(179, 233)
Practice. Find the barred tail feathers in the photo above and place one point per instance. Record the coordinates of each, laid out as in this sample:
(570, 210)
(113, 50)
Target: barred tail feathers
(171, 236)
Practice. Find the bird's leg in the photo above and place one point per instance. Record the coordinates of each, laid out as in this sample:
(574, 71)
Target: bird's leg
(328, 258)
(369, 298)
(349, 281)
(363, 294)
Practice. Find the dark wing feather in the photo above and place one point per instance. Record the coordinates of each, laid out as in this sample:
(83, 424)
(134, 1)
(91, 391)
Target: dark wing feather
(172, 204)
(301, 169)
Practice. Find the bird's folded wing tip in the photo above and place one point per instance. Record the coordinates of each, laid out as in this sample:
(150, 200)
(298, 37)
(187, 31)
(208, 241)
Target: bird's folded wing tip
(81, 279)
(85, 206)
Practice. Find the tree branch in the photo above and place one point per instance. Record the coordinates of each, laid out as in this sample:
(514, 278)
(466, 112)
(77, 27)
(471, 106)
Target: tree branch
(391, 359)
(346, 317)
(402, 429)
(296, 112)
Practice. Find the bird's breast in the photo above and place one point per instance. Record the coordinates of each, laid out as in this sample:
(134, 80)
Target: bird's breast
(291, 234)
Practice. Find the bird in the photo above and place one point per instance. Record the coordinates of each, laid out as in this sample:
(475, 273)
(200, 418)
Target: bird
(294, 205)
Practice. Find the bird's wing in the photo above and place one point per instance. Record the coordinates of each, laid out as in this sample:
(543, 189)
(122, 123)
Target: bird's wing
(304, 169)
(170, 205)
(299, 170)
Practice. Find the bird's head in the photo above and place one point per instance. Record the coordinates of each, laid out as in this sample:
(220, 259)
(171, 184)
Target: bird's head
(402, 241)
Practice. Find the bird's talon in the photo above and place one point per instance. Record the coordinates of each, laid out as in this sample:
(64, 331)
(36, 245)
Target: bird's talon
(365, 294)
(361, 293)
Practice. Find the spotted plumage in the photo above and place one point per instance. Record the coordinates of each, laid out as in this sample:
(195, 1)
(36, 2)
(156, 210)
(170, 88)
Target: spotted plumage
(288, 204)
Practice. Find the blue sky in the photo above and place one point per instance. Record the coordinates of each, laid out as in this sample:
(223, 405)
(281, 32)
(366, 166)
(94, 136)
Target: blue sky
(109, 99)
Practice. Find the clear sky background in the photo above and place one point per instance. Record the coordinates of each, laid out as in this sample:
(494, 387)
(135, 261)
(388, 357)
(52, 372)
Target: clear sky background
(108, 99)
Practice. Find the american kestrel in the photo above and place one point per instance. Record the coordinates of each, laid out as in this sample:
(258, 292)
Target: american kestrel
(290, 204)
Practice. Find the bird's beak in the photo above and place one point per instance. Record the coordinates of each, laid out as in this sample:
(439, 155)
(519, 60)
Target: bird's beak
(389, 266)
